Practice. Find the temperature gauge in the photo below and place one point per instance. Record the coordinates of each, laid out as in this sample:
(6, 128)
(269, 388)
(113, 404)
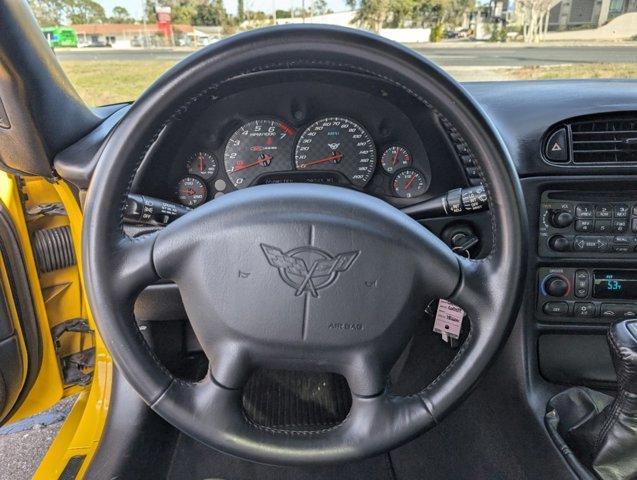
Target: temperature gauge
(409, 183)
(202, 164)
(191, 191)
(394, 158)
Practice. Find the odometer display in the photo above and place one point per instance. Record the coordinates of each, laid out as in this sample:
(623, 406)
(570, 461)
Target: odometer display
(259, 147)
(340, 145)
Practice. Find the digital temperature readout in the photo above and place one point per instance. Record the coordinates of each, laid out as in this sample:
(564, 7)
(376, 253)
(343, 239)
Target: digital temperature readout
(620, 284)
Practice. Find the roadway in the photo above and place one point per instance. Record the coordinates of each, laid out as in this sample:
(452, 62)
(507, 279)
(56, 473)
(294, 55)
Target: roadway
(448, 55)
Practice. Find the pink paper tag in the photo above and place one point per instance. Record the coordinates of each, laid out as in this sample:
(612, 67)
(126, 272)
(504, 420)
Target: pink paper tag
(448, 319)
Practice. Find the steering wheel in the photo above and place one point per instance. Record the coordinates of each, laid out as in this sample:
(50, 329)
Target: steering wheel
(233, 260)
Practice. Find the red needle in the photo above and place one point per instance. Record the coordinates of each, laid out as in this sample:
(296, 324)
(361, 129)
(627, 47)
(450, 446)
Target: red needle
(336, 156)
(265, 159)
(411, 180)
(395, 159)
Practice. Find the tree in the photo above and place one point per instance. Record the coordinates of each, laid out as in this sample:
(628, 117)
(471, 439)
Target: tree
(121, 15)
(371, 14)
(84, 11)
(48, 13)
(213, 14)
(240, 11)
(535, 18)
(319, 7)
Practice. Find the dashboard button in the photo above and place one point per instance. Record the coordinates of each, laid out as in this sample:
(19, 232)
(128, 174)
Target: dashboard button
(556, 286)
(633, 224)
(611, 310)
(621, 248)
(622, 239)
(620, 226)
(581, 283)
(467, 161)
(559, 243)
(584, 309)
(603, 226)
(590, 244)
(585, 210)
(603, 211)
(555, 308)
(584, 225)
(621, 210)
(556, 149)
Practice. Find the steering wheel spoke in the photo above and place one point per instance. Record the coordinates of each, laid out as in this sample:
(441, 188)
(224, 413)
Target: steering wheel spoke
(132, 266)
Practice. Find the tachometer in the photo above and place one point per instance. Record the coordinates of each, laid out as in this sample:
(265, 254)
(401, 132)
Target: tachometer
(337, 144)
(256, 148)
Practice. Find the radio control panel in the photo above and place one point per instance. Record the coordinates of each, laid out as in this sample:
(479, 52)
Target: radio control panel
(586, 295)
(585, 224)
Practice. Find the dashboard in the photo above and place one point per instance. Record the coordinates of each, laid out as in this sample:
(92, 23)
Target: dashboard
(348, 130)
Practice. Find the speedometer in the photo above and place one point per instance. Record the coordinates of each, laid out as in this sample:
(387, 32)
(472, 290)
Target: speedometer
(257, 148)
(337, 144)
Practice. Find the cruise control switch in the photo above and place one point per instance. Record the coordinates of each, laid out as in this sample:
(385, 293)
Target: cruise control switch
(152, 211)
(455, 202)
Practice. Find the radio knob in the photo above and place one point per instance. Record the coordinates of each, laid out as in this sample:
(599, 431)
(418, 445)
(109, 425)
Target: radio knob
(561, 218)
(556, 286)
(559, 243)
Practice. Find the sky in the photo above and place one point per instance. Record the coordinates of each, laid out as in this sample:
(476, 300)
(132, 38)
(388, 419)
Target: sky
(134, 7)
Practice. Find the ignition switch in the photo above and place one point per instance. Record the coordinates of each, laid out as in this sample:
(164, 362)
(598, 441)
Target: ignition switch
(462, 239)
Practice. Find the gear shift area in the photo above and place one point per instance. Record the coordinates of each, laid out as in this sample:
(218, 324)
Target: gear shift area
(596, 432)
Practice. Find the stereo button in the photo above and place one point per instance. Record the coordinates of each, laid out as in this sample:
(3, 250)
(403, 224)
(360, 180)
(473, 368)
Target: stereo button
(556, 308)
(584, 225)
(603, 211)
(633, 224)
(621, 248)
(585, 210)
(623, 239)
(590, 244)
(620, 226)
(602, 226)
(621, 210)
(584, 309)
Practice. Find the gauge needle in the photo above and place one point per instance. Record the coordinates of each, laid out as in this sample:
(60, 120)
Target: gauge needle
(337, 156)
(395, 159)
(201, 163)
(262, 159)
(411, 180)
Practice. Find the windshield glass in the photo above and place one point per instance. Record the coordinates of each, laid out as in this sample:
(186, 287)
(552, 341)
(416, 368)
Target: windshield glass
(113, 49)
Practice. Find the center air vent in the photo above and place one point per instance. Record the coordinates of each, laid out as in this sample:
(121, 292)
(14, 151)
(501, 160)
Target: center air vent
(604, 141)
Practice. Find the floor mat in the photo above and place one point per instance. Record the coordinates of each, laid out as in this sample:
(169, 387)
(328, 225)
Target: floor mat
(194, 461)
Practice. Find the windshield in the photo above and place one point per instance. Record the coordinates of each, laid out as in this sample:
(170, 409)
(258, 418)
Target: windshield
(113, 49)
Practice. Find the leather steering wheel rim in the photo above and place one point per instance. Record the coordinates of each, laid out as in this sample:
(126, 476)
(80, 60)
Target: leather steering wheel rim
(116, 268)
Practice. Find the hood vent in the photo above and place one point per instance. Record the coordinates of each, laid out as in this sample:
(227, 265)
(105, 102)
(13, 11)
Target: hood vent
(604, 141)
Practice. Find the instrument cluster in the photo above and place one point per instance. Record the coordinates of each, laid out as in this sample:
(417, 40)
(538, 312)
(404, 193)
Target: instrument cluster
(330, 150)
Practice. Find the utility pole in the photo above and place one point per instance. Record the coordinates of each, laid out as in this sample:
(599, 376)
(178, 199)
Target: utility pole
(303, 10)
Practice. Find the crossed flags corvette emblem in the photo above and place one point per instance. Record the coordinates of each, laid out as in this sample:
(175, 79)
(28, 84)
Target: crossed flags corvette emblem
(308, 269)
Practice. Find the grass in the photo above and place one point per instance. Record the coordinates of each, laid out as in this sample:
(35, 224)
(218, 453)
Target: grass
(113, 81)
(103, 82)
(587, 70)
